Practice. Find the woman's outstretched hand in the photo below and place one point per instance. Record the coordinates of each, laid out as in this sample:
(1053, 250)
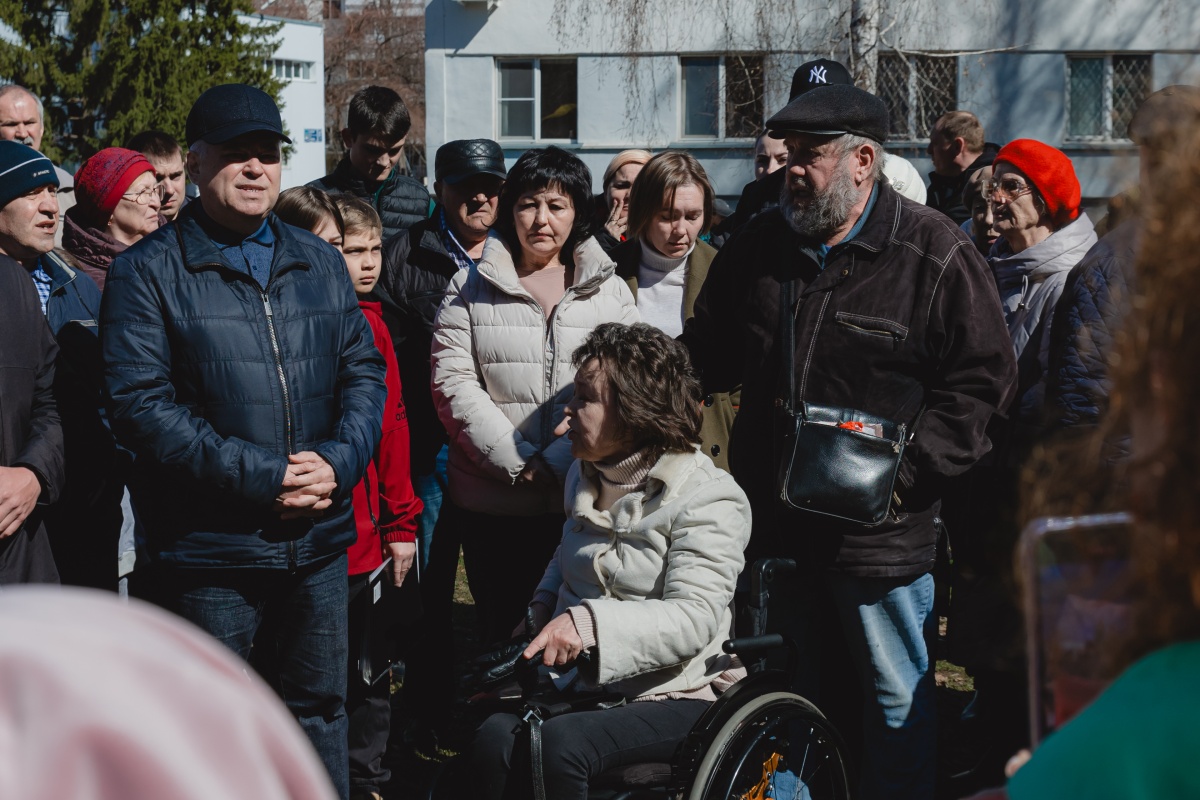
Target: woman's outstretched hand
(559, 640)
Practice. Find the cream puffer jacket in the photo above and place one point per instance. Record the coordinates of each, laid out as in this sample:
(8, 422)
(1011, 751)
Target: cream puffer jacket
(502, 374)
(657, 571)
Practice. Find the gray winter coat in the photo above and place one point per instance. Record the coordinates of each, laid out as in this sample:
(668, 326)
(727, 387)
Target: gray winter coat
(1030, 283)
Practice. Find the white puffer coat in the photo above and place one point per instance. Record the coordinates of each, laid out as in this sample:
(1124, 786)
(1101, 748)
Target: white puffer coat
(502, 374)
(657, 571)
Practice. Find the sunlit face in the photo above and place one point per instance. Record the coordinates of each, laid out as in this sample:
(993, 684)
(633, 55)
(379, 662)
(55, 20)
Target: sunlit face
(20, 119)
(28, 224)
(471, 204)
(131, 220)
(618, 190)
(372, 156)
(238, 180)
(590, 420)
(1018, 210)
(770, 155)
(674, 229)
(328, 231)
(363, 251)
(543, 220)
(170, 174)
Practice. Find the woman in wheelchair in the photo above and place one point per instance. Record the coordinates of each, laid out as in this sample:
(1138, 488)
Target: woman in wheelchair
(642, 581)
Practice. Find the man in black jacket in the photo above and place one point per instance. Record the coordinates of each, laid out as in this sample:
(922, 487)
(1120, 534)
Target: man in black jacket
(417, 266)
(957, 149)
(31, 444)
(897, 317)
(376, 126)
(245, 379)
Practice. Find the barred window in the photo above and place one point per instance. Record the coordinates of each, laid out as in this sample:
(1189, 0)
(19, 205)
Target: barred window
(917, 90)
(1102, 94)
(538, 98)
(722, 96)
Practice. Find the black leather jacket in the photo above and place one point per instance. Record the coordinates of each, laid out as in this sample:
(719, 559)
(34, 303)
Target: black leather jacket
(416, 271)
(912, 320)
(401, 201)
(214, 380)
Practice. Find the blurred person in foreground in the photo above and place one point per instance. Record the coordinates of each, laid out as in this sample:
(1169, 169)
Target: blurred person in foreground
(1137, 739)
(643, 578)
(159, 709)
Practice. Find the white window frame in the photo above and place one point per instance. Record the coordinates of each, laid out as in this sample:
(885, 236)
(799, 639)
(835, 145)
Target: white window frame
(537, 97)
(295, 64)
(1106, 113)
(721, 92)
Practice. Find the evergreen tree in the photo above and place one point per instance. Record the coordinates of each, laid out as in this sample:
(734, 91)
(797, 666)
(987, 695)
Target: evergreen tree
(107, 69)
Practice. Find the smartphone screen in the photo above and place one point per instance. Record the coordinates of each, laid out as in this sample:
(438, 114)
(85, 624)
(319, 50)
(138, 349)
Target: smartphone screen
(1078, 586)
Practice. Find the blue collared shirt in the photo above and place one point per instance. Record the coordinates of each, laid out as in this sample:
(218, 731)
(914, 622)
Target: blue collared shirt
(43, 283)
(255, 251)
(822, 250)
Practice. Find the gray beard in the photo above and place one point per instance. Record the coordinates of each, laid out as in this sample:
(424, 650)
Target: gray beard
(826, 211)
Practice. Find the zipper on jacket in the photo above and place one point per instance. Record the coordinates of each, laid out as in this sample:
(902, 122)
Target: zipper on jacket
(291, 548)
(287, 400)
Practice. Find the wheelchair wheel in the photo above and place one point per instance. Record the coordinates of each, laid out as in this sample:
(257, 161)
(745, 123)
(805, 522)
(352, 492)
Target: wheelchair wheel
(777, 746)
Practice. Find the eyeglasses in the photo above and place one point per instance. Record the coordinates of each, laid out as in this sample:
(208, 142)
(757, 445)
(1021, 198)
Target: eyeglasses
(1008, 189)
(143, 197)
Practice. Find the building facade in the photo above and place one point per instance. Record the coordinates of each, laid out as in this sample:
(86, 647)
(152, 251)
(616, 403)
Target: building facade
(600, 76)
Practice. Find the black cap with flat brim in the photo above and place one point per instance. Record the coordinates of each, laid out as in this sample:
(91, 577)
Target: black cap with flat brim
(833, 110)
(231, 110)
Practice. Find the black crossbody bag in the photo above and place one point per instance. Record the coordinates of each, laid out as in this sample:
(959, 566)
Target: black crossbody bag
(836, 461)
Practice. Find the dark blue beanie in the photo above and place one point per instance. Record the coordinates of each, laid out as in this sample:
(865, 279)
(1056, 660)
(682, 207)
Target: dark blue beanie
(22, 169)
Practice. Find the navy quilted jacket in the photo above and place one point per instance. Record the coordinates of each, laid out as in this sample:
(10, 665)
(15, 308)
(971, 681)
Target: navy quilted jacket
(1086, 319)
(214, 381)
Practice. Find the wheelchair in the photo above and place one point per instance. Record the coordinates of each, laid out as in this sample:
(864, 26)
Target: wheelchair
(759, 738)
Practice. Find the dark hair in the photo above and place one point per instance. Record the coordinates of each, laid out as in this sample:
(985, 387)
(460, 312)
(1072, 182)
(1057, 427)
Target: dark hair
(378, 110)
(155, 144)
(306, 207)
(540, 169)
(655, 187)
(357, 215)
(657, 397)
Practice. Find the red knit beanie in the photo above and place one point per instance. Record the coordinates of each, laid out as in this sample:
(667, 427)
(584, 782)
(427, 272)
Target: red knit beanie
(1050, 172)
(103, 178)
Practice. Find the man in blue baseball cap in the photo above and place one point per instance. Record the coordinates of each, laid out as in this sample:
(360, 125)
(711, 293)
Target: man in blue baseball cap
(245, 380)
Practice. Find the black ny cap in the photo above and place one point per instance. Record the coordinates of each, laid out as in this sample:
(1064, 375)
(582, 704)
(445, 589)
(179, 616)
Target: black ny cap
(833, 111)
(458, 160)
(822, 72)
(227, 111)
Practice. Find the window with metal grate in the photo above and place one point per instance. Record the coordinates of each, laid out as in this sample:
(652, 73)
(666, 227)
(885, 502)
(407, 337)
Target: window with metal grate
(917, 90)
(1103, 91)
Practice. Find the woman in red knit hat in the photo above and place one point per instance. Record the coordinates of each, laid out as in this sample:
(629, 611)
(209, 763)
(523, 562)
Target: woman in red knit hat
(1035, 204)
(117, 203)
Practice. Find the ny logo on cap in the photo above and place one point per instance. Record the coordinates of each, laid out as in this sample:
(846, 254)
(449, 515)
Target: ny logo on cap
(817, 75)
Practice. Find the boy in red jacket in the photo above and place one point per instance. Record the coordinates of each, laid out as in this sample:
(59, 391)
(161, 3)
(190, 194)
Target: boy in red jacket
(385, 508)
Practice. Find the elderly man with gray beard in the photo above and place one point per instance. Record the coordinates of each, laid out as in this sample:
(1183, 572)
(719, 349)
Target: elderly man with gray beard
(894, 315)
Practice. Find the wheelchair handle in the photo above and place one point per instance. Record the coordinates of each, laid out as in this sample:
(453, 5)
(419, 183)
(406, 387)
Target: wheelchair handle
(746, 645)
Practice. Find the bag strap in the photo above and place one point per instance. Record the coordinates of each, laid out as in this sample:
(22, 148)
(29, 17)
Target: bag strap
(534, 719)
(789, 308)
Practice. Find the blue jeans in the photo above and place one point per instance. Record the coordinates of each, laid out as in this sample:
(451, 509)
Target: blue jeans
(886, 624)
(431, 488)
(305, 612)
